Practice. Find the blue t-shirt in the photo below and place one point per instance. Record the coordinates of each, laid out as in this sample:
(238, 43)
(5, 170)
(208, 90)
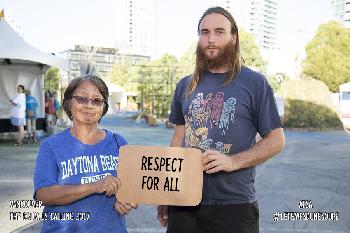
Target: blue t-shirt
(226, 119)
(56, 104)
(31, 106)
(64, 160)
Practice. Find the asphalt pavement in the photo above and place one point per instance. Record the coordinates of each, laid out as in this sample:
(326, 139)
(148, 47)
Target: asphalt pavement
(303, 189)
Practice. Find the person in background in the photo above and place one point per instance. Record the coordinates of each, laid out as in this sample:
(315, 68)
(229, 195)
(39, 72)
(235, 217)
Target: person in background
(71, 175)
(18, 113)
(31, 115)
(56, 105)
(49, 109)
(47, 98)
(280, 107)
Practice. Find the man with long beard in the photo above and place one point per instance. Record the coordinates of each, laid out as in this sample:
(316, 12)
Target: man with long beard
(240, 103)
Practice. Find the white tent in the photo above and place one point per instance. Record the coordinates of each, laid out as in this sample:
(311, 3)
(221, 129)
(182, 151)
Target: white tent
(116, 97)
(20, 63)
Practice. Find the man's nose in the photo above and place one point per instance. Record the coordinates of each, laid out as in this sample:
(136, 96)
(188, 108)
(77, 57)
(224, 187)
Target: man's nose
(211, 38)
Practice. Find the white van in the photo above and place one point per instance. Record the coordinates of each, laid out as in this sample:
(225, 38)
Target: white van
(344, 104)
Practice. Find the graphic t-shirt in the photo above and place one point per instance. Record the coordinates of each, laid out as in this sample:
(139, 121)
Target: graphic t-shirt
(64, 160)
(226, 119)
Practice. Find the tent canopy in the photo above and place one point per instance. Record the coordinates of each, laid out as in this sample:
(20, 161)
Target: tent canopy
(114, 88)
(13, 49)
(20, 63)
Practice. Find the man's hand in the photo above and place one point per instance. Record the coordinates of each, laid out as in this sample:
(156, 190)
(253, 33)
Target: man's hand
(163, 215)
(109, 184)
(213, 161)
(124, 208)
(271, 144)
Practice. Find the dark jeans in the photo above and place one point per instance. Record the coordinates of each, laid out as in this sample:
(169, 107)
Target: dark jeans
(234, 218)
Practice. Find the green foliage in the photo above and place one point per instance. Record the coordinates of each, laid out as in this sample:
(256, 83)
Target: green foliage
(52, 79)
(308, 89)
(157, 83)
(308, 104)
(328, 55)
(276, 80)
(250, 51)
(187, 62)
(303, 114)
(125, 75)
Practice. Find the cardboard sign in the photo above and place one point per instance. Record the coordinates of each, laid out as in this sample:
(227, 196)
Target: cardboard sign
(160, 175)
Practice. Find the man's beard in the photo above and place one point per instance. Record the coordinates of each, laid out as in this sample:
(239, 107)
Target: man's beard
(224, 58)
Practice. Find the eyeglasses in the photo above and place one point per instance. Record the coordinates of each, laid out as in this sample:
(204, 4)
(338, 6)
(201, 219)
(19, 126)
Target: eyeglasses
(85, 100)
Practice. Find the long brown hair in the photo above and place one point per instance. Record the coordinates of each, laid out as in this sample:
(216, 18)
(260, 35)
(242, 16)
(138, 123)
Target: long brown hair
(234, 66)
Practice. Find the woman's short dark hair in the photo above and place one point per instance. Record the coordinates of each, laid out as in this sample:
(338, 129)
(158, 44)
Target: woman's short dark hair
(75, 83)
(22, 87)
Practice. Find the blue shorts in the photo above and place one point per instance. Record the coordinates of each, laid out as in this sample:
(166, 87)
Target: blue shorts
(18, 121)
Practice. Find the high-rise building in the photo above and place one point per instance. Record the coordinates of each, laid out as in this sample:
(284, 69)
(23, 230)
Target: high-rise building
(259, 17)
(340, 10)
(136, 27)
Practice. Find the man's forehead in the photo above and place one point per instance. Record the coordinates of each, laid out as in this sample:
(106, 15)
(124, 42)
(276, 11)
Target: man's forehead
(214, 20)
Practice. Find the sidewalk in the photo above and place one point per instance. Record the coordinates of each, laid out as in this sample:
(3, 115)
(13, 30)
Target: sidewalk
(313, 166)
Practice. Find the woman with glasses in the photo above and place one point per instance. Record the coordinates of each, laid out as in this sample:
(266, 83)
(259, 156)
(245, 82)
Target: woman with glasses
(75, 173)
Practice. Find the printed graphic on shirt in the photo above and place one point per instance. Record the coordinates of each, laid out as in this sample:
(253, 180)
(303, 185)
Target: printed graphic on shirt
(209, 114)
(92, 179)
(87, 165)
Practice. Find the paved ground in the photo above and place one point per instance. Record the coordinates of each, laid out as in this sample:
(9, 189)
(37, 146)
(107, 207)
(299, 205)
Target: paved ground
(314, 166)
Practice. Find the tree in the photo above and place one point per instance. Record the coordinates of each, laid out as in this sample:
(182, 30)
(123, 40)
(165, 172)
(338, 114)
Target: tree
(125, 75)
(250, 51)
(276, 80)
(52, 79)
(156, 83)
(187, 62)
(328, 55)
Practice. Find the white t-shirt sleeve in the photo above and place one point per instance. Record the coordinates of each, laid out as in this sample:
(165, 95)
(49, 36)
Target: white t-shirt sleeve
(280, 105)
(20, 109)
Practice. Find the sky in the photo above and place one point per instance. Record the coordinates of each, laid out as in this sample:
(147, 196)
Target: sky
(57, 25)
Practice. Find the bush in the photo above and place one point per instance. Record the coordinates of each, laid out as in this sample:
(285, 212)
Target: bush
(303, 114)
(308, 104)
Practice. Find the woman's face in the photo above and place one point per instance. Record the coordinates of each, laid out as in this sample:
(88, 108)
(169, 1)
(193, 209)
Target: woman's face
(90, 112)
(19, 89)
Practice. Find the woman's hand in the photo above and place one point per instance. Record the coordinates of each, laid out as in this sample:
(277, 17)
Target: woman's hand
(109, 184)
(66, 194)
(124, 208)
(13, 103)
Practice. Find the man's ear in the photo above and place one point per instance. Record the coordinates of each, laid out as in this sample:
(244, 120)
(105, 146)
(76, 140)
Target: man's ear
(234, 39)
